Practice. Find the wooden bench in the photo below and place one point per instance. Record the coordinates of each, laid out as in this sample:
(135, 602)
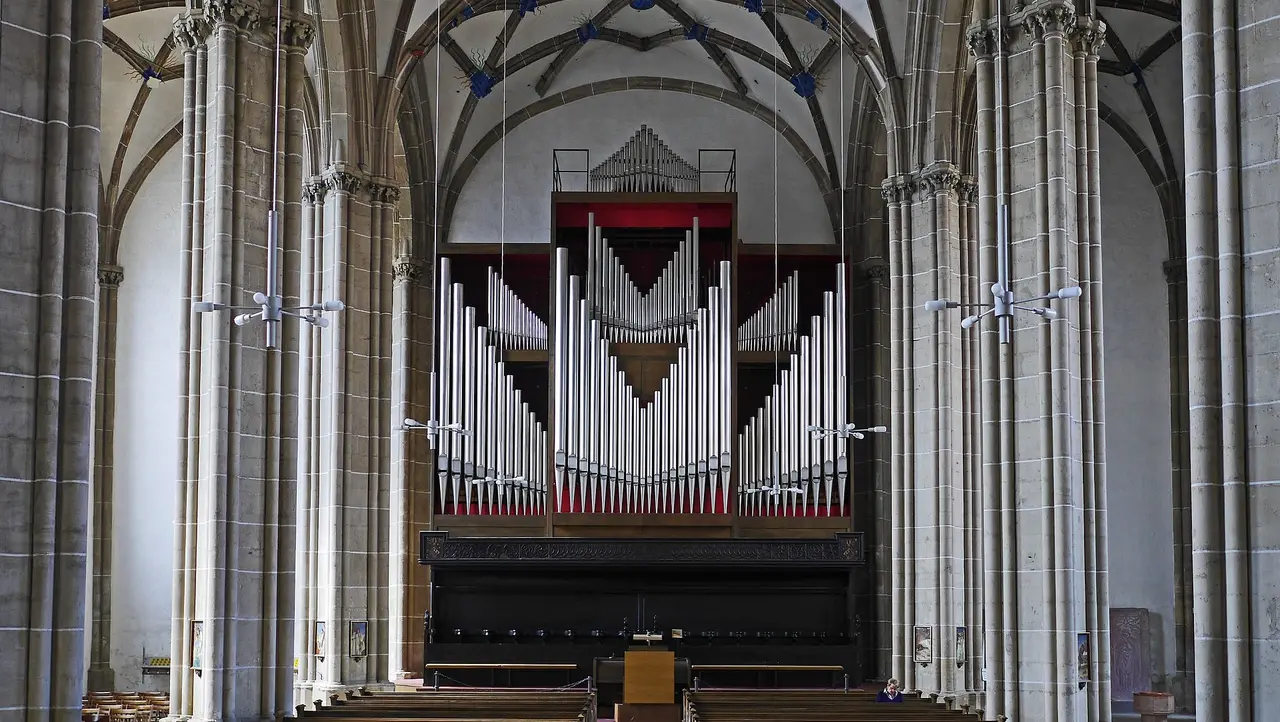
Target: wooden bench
(500, 673)
(455, 705)
(813, 706)
(765, 673)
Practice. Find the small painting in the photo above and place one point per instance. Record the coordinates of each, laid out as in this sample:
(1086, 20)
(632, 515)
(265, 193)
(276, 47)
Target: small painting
(924, 645)
(197, 645)
(1082, 656)
(320, 639)
(962, 645)
(358, 639)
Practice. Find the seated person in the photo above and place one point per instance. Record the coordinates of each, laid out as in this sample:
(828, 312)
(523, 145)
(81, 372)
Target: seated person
(890, 692)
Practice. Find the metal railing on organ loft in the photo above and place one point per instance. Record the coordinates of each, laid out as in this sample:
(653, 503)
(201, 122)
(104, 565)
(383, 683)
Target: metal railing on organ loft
(645, 164)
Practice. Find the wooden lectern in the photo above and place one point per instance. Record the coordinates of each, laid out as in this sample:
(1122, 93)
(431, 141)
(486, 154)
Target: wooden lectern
(648, 687)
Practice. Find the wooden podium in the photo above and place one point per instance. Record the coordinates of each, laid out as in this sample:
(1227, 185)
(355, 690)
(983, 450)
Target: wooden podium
(648, 687)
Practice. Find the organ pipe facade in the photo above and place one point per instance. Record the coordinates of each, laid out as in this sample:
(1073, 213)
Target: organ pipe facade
(601, 446)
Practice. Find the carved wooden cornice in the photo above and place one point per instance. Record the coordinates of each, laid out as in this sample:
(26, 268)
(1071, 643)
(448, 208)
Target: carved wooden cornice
(842, 551)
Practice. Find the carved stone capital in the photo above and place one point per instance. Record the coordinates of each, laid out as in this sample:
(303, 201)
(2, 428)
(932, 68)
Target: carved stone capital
(297, 32)
(109, 276)
(983, 39)
(384, 192)
(239, 13)
(968, 189)
(190, 31)
(407, 270)
(877, 272)
(1047, 17)
(1089, 36)
(897, 189)
(339, 180)
(314, 190)
(1175, 270)
(940, 177)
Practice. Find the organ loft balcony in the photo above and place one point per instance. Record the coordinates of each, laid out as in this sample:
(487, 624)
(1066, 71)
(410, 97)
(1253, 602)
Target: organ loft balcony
(644, 164)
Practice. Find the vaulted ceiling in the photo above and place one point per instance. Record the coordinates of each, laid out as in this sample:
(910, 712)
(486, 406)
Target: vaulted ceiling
(499, 57)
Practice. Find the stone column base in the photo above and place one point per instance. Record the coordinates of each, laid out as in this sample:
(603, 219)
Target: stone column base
(102, 679)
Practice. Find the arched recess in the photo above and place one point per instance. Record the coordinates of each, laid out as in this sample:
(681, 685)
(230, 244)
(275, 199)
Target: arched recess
(711, 92)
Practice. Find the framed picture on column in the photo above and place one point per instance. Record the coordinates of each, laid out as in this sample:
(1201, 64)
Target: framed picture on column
(197, 645)
(962, 645)
(320, 634)
(1082, 656)
(358, 639)
(923, 644)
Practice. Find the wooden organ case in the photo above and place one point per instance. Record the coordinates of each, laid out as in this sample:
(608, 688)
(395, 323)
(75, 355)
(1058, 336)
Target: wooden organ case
(639, 401)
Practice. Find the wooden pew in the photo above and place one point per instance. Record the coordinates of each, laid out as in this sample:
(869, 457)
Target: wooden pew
(707, 673)
(500, 674)
(456, 705)
(812, 706)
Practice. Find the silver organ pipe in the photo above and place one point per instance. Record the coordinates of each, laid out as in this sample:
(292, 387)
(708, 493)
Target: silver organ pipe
(664, 313)
(783, 468)
(512, 325)
(644, 164)
(497, 466)
(615, 455)
(776, 326)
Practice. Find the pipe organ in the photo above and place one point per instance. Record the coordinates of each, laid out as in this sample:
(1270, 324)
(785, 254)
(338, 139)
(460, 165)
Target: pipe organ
(644, 164)
(539, 408)
(664, 314)
(615, 455)
(497, 464)
(511, 324)
(784, 468)
(776, 326)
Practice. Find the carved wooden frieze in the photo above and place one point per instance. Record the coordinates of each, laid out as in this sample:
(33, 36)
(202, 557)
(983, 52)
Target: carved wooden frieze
(844, 550)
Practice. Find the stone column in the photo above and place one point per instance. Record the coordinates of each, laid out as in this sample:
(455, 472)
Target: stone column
(351, 497)
(101, 676)
(1044, 491)
(49, 119)
(1233, 310)
(235, 532)
(411, 462)
(934, 480)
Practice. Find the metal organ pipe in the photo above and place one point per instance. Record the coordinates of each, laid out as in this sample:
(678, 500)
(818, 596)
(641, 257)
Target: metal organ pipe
(613, 454)
(664, 313)
(644, 164)
(512, 325)
(782, 468)
(498, 466)
(776, 325)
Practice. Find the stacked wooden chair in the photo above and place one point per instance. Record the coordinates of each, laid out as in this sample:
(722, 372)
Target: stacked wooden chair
(124, 707)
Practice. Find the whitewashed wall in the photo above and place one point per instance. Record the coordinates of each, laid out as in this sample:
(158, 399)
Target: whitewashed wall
(602, 124)
(1136, 358)
(146, 426)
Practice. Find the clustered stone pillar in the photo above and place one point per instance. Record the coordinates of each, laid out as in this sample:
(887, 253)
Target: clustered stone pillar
(1044, 491)
(411, 463)
(347, 454)
(1233, 310)
(233, 596)
(101, 676)
(49, 115)
(935, 503)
